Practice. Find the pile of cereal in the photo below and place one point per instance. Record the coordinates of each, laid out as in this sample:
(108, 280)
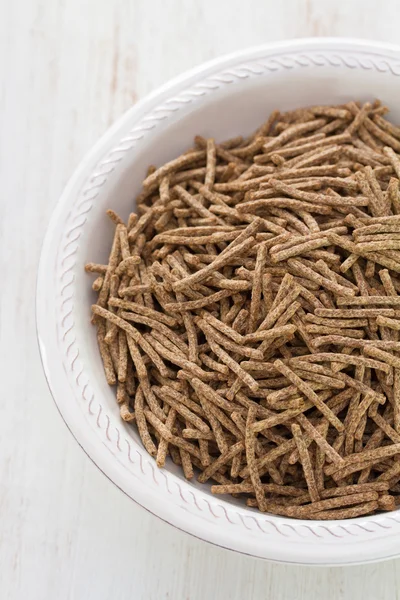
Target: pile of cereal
(249, 314)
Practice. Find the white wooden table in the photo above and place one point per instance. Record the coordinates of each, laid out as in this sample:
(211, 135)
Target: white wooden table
(68, 69)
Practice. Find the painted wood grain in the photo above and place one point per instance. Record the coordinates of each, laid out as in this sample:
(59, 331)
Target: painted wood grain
(68, 69)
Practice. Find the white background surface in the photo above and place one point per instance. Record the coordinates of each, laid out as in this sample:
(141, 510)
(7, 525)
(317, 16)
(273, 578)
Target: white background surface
(68, 69)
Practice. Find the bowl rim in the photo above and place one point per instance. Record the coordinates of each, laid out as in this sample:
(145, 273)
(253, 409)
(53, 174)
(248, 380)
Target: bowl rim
(330, 556)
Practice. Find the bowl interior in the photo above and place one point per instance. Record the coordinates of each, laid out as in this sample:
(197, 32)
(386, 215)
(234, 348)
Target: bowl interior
(237, 108)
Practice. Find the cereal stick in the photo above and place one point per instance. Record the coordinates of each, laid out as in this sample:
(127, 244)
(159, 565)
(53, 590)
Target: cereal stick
(196, 204)
(360, 116)
(226, 421)
(250, 456)
(142, 425)
(386, 427)
(312, 197)
(112, 263)
(141, 224)
(123, 356)
(96, 268)
(354, 313)
(125, 413)
(213, 365)
(347, 513)
(211, 163)
(326, 507)
(370, 456)
(98, 283)
(256, 290)
(291, 133)
(350, 360)
(105, 354)
(306, 463)
(269, 334)
(162, 449)
(391, 473)
(204, 453)
(386, 138)
(200, 303)
(143, 310)
(302, 269)
(170, 167)
(365, 300)
(282, 202)
(390, 323)
(164, 341)
(176, 359)
(354, 343)
(142, 375)
(215, 426)
(375, 352)
(186, 464)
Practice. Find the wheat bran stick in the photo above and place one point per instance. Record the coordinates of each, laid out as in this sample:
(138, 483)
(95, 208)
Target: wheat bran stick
(142, 424)
(193, 434)
(305, 462)
(256, 289)
(142, 375)
(174, 165)
(105, 353)
(386, 427)
(211, 163)
(96, 268)
(143, 310)
(370, 456)
(382, 355)
(215, 425)
(123, 356)
(162, 449)
(393, 324)
(354, 313)
(250, 440)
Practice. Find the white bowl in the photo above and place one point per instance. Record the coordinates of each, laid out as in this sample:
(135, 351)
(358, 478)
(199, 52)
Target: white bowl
(223, 98)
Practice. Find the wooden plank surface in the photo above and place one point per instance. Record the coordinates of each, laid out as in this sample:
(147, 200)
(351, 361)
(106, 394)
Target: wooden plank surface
(68, 69)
